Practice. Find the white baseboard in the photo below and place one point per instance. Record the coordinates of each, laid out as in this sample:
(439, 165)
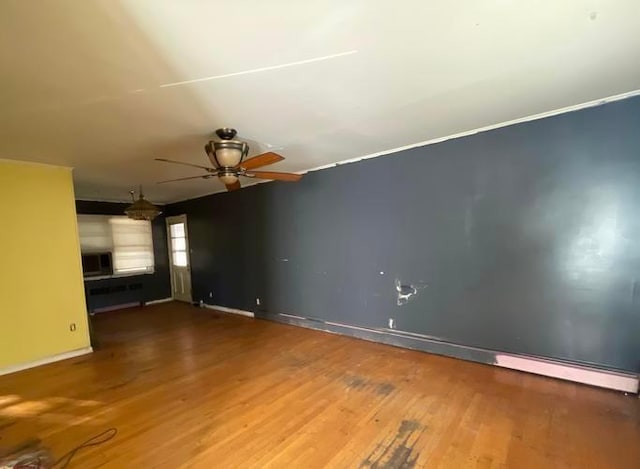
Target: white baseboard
(224, 309)
(155, 302)
(621, 381)
(44, 361)
(106, 309)
(579, 374)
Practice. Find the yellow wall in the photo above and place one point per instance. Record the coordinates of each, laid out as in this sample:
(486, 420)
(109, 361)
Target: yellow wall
(41, 287)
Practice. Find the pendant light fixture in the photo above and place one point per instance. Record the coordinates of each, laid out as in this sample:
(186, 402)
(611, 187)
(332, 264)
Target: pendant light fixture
(141, 209)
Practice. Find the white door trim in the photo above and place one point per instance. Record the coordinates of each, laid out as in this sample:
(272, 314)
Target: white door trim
(168, 221)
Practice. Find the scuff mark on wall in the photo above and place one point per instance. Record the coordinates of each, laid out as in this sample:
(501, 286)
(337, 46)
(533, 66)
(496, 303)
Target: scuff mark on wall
(405, 292)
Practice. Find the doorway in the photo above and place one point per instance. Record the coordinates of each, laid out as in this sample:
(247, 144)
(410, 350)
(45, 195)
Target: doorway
(179, 261)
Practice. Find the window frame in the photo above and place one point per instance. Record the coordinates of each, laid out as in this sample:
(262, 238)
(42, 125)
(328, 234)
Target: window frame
(110, 246)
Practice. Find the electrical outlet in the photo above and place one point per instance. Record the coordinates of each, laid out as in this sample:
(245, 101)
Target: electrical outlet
(210, 294)
(258, 301)
(72, 327)
(392, 323)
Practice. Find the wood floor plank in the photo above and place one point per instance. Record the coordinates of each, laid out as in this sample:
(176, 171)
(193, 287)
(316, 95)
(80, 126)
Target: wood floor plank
(194, 388)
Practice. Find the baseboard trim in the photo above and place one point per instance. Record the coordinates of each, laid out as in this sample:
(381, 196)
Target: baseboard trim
(157, 302)
(45, 361)
(619, 381)
(106, 309)
(224, 309)
(576, 373)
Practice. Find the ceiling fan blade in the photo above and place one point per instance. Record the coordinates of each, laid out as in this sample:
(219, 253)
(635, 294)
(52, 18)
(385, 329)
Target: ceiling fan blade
(233, 187)
(186, 164)
(204, 176)
(288, 177)
(261, 160)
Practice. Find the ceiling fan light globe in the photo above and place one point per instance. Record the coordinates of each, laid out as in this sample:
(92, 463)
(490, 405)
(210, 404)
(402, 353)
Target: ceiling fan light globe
(228, 157)
(228, 178)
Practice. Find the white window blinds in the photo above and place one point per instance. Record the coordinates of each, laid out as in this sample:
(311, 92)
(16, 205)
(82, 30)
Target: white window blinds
(132, 245)
(95, 233)
(129, 241)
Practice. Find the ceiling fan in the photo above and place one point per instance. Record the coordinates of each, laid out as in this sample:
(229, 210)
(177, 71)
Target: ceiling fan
(227, 157)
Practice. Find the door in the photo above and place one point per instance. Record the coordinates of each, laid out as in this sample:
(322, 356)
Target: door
(179, 258)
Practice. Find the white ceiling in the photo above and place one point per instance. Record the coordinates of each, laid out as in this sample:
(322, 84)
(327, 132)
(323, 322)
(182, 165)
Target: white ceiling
(84, 83)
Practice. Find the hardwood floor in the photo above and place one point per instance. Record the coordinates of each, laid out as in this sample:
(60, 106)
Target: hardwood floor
(188, 387)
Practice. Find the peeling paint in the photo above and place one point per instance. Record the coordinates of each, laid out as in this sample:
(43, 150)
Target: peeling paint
(406, 292)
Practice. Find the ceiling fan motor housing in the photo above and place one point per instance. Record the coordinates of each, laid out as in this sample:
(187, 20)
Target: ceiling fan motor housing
(226, 153)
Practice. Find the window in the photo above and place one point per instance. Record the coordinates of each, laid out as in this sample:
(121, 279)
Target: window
(130, 241)
(178, 244)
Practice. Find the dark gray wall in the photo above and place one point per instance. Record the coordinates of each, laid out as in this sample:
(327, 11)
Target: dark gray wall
(156, 286)
(524, 239)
